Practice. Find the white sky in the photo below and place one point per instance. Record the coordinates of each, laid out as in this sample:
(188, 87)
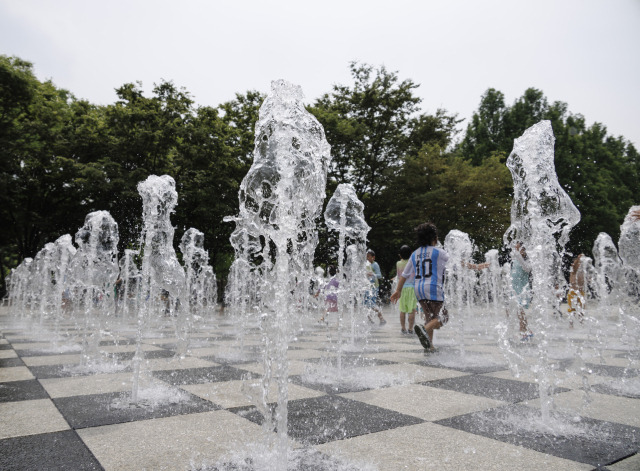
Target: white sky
(583, 52)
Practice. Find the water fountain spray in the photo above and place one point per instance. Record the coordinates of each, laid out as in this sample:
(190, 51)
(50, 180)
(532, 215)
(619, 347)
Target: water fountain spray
(200, 279)
(345, 215)
(542, 215)
(163, 278)
(91, 274)
(275, 236)
(459, 279)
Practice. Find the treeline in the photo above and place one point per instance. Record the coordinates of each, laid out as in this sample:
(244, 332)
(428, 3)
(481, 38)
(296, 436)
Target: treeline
(63, 158)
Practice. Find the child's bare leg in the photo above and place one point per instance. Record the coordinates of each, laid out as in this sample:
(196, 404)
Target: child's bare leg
(432, 325)
(412, 320)
(402, 320)
(523, 320)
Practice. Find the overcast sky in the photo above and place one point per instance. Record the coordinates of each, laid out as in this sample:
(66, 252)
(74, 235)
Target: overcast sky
(583, 52)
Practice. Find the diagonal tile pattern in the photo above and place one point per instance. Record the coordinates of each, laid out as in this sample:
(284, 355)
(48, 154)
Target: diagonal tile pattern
(386, 405)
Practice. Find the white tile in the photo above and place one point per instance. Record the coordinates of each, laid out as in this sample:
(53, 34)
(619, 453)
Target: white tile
(429, 446)
(94, 384)
(8, 354)
(15, 373)
(158, 364)
(622, 410)
(171, 443)
(232, 393)
(424, 402)
(48, 360)
(29, 418)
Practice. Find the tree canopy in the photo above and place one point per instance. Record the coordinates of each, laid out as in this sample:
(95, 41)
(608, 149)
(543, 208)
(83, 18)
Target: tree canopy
(63, 158)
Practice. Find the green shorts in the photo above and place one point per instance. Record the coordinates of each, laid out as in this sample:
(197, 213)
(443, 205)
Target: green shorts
(408, 301)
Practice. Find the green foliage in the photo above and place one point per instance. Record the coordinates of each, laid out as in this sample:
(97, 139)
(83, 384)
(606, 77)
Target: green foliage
(452, 193)
(599, 172)
(63, 158)
(373, 126)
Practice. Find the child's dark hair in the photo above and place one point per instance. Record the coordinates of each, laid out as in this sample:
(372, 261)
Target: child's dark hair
(427, 233)
(405, 252)
(331, 270)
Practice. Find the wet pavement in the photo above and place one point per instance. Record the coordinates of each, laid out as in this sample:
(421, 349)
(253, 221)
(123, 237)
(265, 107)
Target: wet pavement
(395, 407)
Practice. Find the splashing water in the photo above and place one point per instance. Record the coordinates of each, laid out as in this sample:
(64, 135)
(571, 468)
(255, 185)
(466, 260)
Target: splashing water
(345, 215)
(200, 278)
(459, 280)
(542, 215)
(275, 236)
(92, 273)
(163, 277)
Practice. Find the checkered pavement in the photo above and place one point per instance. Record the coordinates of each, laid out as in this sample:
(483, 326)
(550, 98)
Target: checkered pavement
(390, 406)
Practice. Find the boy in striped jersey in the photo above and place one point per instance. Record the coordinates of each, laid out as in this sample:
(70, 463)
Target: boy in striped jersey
(427, 264)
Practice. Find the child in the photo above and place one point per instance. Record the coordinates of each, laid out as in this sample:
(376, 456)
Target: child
(408, 302)
(521, 284)
(374, 275)
(577, 288)
(331, 291)
(427, 264)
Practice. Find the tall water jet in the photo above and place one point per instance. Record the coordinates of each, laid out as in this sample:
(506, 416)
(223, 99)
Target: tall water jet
(608, 268)
(275, 237)
(43, 267)
(64, 251)
(163, 278)
(200, 280)
(629, 251)
(629, 248)
(459, 280)
(129, 283)
(357, 286)
(345, 215)
(542, 216)
(91, 274)
(492, 283)
(19, 283)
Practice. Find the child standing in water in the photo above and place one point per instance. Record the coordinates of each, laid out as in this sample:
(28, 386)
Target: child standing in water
(331, 292)
(408, 303)
(521, 284)
(427, 264)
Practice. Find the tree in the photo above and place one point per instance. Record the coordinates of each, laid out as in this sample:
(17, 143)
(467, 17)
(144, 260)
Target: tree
(448, 190)
(599, 172)
(372, 127)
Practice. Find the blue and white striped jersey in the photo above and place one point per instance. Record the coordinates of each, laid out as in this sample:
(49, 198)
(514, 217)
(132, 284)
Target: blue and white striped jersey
(427, 264)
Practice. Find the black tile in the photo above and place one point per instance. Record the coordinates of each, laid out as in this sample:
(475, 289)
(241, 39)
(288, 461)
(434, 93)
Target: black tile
(108, 343)
(329, 388)
(149, 355)
(10, 362)
(98, 409)
(201, 375)
(351, 361)
(507, 390)
(462, 363)
(612, 390)
(613, 371)
(633, 355)
(325, 419)
(5, 346)
(22, 391)
(66, 371)
(51, 451)
(234, 357)
(597, 443)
